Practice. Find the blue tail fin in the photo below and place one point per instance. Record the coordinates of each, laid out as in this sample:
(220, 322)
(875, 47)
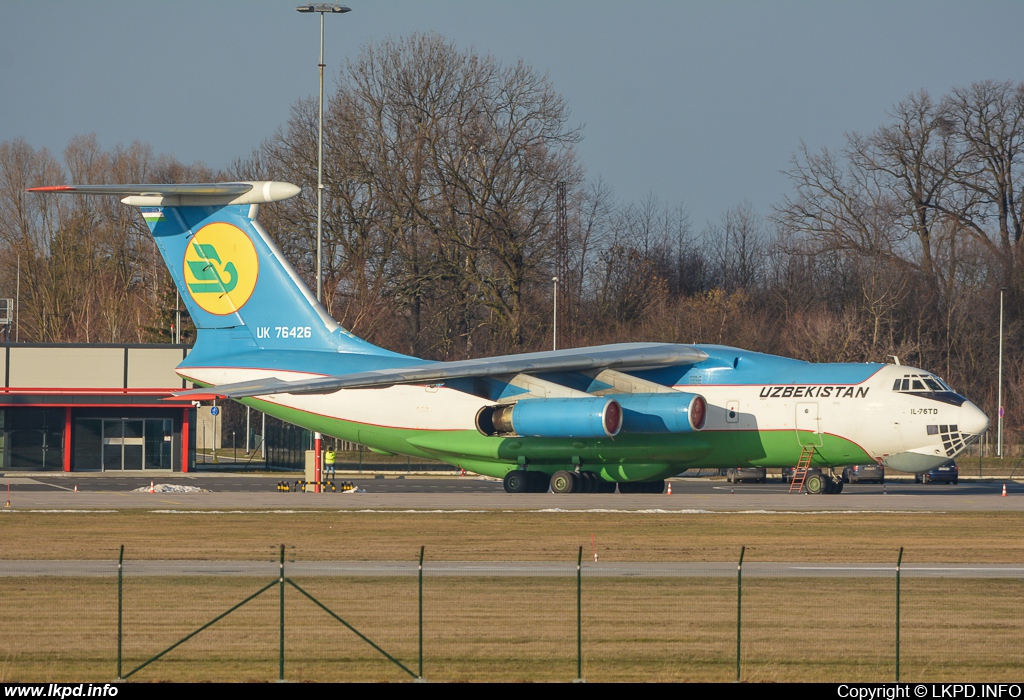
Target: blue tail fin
(242, 294)
(233, 277)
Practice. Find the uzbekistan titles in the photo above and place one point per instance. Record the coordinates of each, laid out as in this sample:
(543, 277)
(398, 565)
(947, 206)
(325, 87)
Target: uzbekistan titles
(814, 392)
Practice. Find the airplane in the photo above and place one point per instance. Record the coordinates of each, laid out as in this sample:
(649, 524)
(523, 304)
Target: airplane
(591, 419)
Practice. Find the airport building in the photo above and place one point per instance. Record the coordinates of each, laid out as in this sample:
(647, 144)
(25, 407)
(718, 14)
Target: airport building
(94, 408)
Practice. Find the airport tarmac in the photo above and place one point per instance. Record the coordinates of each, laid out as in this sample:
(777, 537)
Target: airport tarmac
(470, 493)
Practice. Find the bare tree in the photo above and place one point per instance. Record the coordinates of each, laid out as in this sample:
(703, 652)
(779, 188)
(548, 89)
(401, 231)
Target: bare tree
(89, 270)
(441, 175)
(987, 119)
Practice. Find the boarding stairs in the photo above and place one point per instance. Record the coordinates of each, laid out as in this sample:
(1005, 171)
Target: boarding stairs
(800, 472)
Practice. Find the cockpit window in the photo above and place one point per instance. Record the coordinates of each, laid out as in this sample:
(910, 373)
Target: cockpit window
(920, 383)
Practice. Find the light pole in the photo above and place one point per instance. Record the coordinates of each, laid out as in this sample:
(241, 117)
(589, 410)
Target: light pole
(554, 316)
(322, 9)
(999, 400)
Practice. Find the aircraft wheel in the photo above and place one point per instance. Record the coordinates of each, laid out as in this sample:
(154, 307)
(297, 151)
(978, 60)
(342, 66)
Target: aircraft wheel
(537, 482)
(564, 481)
(587, 482)
(599, 485)
(516, 481)
(838, 487)
(815, 483)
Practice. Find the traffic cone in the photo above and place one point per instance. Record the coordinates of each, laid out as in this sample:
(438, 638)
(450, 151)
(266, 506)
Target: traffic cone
(1004, 489)
(462, 472)
(670, 488)
(884, 492)
(76, 488)
(152, 489)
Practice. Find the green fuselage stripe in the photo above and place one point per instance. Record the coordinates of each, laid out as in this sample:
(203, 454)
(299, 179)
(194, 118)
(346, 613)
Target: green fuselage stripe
(622, 458)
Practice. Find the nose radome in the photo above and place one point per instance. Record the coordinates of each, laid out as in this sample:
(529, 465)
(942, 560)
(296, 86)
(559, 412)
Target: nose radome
(972, 420)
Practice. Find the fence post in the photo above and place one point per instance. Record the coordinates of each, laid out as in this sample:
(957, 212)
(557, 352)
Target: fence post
(280, 660)
(421, 611)
(120, 583)
(739, 609)
(899, 563)
(579, 616)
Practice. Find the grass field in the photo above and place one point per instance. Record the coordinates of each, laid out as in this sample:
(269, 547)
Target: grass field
(516, 628)
(976, 537)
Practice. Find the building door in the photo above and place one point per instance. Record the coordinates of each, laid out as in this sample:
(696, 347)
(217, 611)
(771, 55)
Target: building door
(124, 444)
(32, 439)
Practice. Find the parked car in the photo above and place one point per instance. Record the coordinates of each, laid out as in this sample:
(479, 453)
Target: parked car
(948, 473)
(738, 474)
(864, 472)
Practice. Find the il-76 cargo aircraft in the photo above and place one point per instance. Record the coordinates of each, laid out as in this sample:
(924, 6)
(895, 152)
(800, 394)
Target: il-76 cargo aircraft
(581, 419)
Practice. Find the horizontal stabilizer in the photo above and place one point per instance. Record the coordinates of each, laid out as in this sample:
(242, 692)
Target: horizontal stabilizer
(623, 356)
(171, 195)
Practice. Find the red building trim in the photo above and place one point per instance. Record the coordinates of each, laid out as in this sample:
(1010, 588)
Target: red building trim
(184, 442)
(67, 438)
(38, 404)
(100, 391)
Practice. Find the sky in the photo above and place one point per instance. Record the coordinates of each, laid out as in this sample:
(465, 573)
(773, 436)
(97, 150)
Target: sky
(695, 102)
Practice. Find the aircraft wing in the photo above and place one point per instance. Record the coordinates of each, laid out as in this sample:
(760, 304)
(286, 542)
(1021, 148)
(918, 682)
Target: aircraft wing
(622, 356)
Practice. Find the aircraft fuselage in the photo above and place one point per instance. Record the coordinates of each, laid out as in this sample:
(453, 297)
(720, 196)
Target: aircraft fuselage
(762, 410)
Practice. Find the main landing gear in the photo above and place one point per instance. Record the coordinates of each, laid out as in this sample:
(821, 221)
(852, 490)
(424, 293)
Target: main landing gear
(523, 481)
(566, 481)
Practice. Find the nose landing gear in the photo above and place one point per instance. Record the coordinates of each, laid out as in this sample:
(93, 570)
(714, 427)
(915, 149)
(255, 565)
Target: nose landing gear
(819, 482)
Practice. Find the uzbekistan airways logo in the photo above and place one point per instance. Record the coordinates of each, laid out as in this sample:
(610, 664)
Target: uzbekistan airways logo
(221, 268)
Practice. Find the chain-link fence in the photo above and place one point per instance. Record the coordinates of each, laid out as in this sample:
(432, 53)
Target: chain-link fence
(278, 616)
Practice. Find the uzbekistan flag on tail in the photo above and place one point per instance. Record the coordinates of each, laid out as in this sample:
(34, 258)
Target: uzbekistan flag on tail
(152, 214)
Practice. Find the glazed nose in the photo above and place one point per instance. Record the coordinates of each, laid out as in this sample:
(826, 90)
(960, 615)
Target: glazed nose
(972, 420)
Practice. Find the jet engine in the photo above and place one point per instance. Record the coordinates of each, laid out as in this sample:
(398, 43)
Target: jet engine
(676, 412)
(596, 417)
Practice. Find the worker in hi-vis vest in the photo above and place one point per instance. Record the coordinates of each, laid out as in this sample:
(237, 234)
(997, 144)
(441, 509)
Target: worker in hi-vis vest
(329, 464)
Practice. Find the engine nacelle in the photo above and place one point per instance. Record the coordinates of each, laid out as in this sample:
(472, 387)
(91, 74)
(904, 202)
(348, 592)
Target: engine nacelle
(596, 417)
(676, 412)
